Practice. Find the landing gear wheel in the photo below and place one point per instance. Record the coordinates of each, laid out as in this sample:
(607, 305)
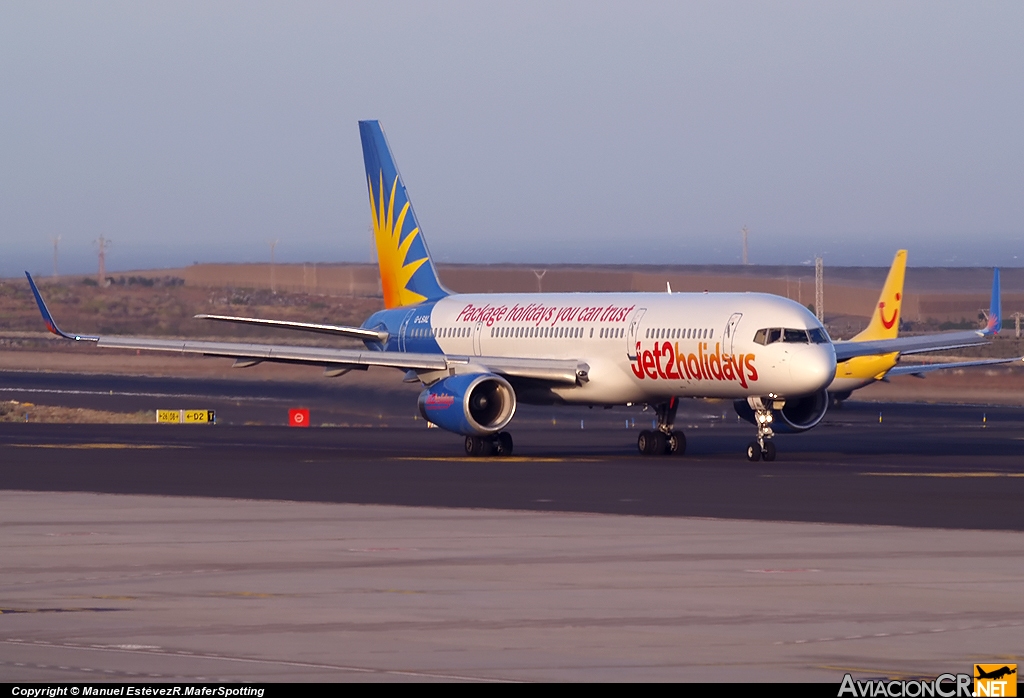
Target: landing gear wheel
(652, 443)
(753, 452)
(675, 444)
(485, 448)
(477, 447)
(664, 440)
(643, 442)
(503, 444)
(769, 451)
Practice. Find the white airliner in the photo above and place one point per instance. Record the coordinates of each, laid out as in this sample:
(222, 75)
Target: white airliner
(478, 355)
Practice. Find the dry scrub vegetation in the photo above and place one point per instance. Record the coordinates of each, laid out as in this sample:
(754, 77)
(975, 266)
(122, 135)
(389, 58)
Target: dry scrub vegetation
(166, 307)
(13, 411)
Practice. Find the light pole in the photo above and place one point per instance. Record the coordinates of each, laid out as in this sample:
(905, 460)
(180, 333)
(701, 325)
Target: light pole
(103, 244)
(55, 241)
(273, 244)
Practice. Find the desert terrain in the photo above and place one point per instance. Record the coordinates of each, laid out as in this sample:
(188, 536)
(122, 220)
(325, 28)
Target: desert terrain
(162, 303)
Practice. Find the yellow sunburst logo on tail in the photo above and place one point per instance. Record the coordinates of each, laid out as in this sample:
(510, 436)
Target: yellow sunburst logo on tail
(392, 248)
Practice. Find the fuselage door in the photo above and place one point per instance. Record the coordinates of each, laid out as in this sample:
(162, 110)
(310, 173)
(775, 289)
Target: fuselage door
(478, 331)
(633, 332)
(403, 329)
(729, 336)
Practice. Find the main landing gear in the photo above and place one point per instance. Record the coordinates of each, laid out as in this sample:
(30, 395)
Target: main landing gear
(664, 440)
(499, 444)
(763, 447)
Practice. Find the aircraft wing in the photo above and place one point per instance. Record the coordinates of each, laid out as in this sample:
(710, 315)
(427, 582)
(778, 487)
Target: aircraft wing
(911, 345)
(337, 330)
(567, 371)
(920, 369)
(931, 342)
(550, 370)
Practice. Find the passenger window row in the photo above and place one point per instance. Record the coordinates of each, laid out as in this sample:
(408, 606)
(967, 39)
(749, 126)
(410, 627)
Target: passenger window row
(537, 332)
(516, 332)
(439, 332)
(679, 333)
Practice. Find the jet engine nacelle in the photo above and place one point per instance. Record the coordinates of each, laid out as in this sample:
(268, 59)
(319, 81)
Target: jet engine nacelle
(476, 404)
(798, 414)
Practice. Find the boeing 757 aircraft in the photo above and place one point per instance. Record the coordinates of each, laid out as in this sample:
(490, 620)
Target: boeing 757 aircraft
(479, 355)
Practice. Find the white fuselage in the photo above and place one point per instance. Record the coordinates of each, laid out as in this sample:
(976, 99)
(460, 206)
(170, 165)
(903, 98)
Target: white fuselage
(643, 347)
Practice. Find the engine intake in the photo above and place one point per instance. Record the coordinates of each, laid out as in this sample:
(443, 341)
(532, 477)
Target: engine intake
(798, 414)
(473, 405)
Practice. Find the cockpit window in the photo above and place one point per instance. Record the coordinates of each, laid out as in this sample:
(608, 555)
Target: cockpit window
(818, 335)
(770, 335)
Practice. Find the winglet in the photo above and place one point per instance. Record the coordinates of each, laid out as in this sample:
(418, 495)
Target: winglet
(995, 308)
(48, 319)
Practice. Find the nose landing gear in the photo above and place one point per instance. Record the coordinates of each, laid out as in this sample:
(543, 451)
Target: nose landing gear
(664, 440)
(763, 447)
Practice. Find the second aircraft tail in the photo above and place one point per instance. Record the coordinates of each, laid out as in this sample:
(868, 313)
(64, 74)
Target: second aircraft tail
(995, 307)
(885, 320)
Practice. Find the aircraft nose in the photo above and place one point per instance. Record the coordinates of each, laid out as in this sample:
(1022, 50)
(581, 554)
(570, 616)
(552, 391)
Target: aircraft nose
(813, 368)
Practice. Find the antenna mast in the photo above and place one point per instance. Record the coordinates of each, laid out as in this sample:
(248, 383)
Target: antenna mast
(745, 231)
(103, 244)
(273, 244)
(55, 241)
(819, 288)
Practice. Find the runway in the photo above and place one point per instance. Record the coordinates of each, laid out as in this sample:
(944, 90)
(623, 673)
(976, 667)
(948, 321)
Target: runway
(935, 466)
(884, 547)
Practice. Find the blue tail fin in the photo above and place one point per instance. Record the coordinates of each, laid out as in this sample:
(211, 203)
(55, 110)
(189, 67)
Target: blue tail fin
(407, 273)
(995, 307)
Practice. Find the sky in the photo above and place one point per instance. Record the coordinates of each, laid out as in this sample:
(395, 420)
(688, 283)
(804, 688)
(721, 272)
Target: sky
(526, 132)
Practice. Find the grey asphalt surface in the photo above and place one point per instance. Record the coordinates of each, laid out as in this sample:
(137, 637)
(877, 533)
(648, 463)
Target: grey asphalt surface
(921, 465)
(884, 548)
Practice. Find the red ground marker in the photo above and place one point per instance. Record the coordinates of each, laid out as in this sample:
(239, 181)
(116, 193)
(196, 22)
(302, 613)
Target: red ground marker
(298, 418)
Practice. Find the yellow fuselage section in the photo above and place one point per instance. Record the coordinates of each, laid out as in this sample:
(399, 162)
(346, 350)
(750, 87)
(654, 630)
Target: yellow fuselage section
(862, 370)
